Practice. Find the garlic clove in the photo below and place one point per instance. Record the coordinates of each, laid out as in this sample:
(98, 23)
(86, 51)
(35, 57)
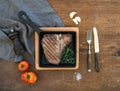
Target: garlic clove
(78, 18)
(75, 21)
(72, 14)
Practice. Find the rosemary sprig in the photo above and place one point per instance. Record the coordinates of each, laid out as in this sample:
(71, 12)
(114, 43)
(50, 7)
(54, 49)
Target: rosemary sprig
(68, 56)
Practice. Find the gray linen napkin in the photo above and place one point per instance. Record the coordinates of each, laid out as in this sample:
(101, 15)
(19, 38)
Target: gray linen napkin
(39, 11)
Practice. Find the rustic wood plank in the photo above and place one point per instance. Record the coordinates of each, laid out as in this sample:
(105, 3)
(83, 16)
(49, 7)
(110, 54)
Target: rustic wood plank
(103, 14)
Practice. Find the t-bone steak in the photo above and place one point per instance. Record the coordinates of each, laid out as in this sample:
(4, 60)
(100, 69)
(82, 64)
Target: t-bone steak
(53, 45)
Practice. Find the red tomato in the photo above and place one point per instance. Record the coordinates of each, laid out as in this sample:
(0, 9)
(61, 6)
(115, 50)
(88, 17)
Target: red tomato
(29, 77)
(23, 65)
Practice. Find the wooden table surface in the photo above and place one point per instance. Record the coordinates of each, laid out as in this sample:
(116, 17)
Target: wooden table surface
(105, 16)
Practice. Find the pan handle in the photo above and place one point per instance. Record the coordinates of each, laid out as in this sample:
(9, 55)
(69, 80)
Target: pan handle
(24, 17)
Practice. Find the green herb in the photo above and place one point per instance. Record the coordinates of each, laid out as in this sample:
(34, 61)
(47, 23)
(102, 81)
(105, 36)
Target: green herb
(68, 56)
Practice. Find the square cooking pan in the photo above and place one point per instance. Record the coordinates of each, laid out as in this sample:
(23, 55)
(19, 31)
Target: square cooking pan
(40, 59)
(41, 63)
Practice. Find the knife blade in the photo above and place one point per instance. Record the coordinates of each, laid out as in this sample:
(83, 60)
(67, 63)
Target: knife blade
(96, 48)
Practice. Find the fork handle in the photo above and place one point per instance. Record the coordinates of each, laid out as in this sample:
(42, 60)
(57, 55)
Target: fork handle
(89, 60)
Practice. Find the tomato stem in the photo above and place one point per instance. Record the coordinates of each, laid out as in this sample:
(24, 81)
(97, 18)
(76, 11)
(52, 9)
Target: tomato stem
(22, 66)
(28, 76)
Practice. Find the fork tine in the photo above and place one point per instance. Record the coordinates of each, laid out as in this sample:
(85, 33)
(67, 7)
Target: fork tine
(89, 36)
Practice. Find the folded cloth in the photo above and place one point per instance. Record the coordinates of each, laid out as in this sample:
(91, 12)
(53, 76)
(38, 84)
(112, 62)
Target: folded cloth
(39, 12)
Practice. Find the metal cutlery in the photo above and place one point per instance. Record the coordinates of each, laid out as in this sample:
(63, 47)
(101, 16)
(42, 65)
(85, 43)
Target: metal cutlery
(96, 48)
(89, 40)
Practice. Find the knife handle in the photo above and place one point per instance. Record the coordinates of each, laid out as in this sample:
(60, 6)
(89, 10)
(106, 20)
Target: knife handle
(89, 60)
(97, 65)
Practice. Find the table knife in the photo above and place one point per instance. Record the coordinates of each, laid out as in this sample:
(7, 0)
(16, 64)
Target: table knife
(89, 40)
(96, 48)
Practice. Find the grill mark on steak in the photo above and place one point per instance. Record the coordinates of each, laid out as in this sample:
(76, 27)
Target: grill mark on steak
(53, 54)
(53, 45)
(47, 46)
(53, 42)
(54, 38)
(48, 43)
(50, 56)
(51, 60)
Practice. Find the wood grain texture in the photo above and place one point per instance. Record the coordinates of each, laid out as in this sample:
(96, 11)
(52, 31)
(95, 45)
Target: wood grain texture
(105, 16)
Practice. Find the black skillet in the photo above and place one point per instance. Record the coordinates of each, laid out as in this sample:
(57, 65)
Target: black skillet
(26, 20)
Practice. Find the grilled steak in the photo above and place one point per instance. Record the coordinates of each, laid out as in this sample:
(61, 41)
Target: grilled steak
(53, 45)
